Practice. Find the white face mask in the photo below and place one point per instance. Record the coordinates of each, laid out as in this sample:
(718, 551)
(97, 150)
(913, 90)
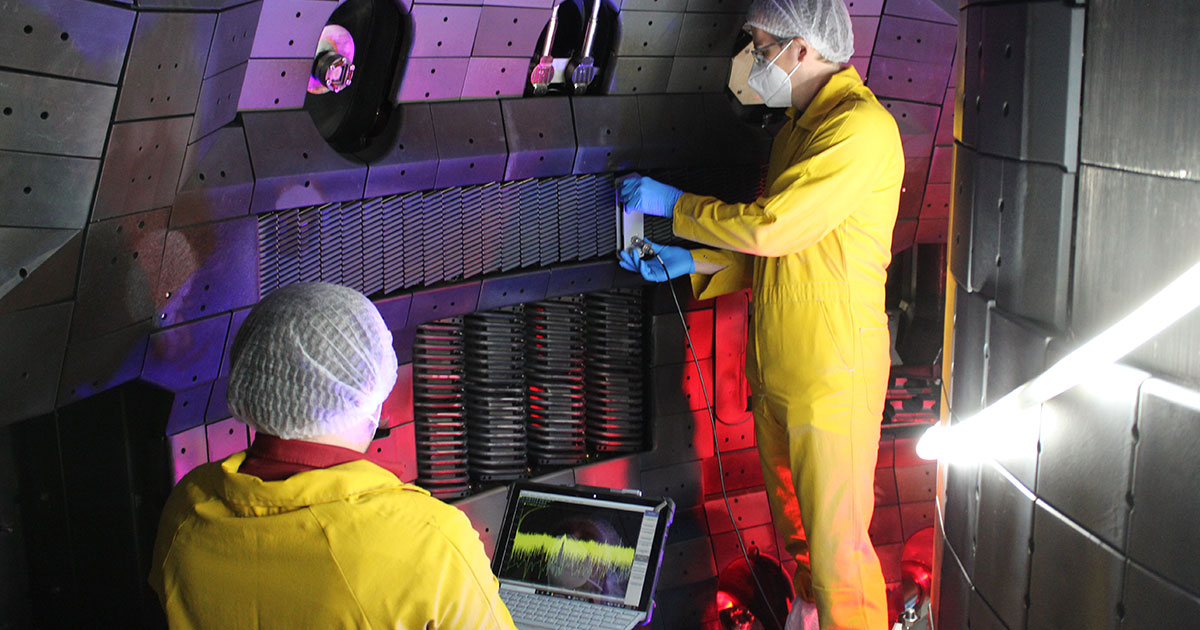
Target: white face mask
(771, 83)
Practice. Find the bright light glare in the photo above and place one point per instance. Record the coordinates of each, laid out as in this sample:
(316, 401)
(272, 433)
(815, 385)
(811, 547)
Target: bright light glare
(994, 430)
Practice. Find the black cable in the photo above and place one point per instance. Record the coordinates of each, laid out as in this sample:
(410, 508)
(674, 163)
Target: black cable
(712, 417)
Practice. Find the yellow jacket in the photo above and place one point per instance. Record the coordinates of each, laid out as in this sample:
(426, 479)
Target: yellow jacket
(349, 546)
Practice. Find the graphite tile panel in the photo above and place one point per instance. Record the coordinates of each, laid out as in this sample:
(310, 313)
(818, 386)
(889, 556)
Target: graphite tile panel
(34, 343)
(717, 6)
(917, 483)
(541, 137)
(217, 182)
(966, 87)
(46, 191)
(1002, 549)
(916, 173)
(1166, 479)
(444, 31)
(864, 7)
(1017, 352)
(929, 10)
(471, 144)
(639, 75)
(941, 166)
(954, 594)
(218, 102)
(668, 345)
(963, 184)
(1035, 242)
(694, 75)
(932, 230)
(121, 261)
(653, 5)
(681, 482)
(40, 267)
(433, 78)
(748, 509)
(1122, 69)
(277, 83)
(886, 527)
(679, 438)
(987, 205)
(188, 450)
(511, 32)
(294, 166)
(486, 512)
(917, 124)
(225, 438)
(187, 409)
(55, 116)
(68, 38)
(409, 158)
(233, 38)
(916, 40)
(1062, 553)
(686, 563)
(908, 80)
(207, 269)
(709, 34)
(1152, 603)
(102, 363)
(181, 357)
(494, 77)
(676, 388)
(865, 29)
(969, 365)
(945, 131)
(141, 166)
(290, 28)
(608, 133)
(982, 616)
(166, 64)
(648, 33)
(726, 549)
(936, 202)
(960, 512)
(917, 516)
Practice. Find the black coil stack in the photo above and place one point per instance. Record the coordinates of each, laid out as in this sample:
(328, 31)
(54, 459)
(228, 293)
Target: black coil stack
(613, 375)
(495, 395)
(439, 411)
(554, 381)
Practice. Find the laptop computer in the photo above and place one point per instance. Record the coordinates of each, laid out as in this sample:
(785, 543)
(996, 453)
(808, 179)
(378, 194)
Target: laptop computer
(580, 558)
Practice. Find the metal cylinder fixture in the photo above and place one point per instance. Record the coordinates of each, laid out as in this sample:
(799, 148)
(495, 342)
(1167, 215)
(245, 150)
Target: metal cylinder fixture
(439, 411)
(554, 348)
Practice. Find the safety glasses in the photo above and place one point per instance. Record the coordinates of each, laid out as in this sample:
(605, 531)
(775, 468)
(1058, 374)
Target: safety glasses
(759, 54)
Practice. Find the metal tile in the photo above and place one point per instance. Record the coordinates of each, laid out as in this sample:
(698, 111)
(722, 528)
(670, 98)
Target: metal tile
(864, 7)
(56, 116)
(987, 205)
(731, 437)
(434, 304)
(1161, 537)
(1117, 84)
(520, 3)
(493, 77)
(960, 212)
(217, 106)
(726, 549)
(885, 528)
(686, 563)
(34, 342)
(668, 345)
(945, 130)
(233, 38)
(864, 29)
(908, 80)
(179, 358)
(739, 469)
(226, 438)
(647, 33)
(714, 6)
(954, 592)
(217, 182)
(218, 401)
(1035, 242)
(672, 128)
(698, 75)
(968, 55)
(608, 133)
(1123, 256)
(511, 32)
(1002, 551)
(409, 160)
(1058, 598)
(486, 512)
(709, 34)
(688, 606)
(46, 191)
(581, 278)
(681, 482)
(187, 409)
(293, 166)
(936, 203)
(748, 509)
(932, 230)
(639, 75)
(471, 144)
(141, 166)
(916, 173)
(1152, 603)
(433, 78)
(931, 10)
(916, 40)
(982, 616)
(102, 363)
(1017, 352)
(188, 450)
(166, 63)
(917, 124)
(960, 512)
(654, 5)
(541, 137)
(121, 261)
(941, 167)
(45, 37)
(278, 84)
(207, 269)
(676, 389)
(40, 267)
(444, 31)
(969, 366)
(290, 28)
(916, 483)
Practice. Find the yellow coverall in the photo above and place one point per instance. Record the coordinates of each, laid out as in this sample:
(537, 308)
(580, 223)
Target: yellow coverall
(349, 546)
(815, 248)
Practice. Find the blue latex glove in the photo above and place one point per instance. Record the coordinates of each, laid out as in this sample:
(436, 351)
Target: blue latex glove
(677, 260)
(648, 196)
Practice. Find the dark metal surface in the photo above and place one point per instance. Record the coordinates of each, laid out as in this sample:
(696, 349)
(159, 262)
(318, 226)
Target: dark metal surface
(944, 11)
(608, 132)
(290, 28)
(916, 173)
(687, 562)
(278, 84)
(141, 166)
(165, 66)
(99, 364)
(1002, 549)
(659, 5)
(510, 32)
(582, 278)
(57, 116)
(433, 78)
(668, 344)
(1017, 352)
(917, 124)
(648, 33)
(1152, 603)
(908, 80)
(955, 592)
(1062, 554)
(293, 166)
(39, 266)
(969, 366)
(961, 211)
(409, 161)
(865, 29)
(1035, 242)
(698, 75)
(217, 182)
(45, 36)
(541, 137)
(207, 269)
(719, 6)
(982, 616)
(1165, 483)
(492, 77)
(46, 190)
(1122, 257)
(960, 512)
(181, 357)
(35, 341)
(470, 142)
(444, 31)
(513, 288)
(218, 101)
(675, 388)
(967, 56)
(915, 40)
(453, 301)
(682, 482)
(1088, 479)
(233, 38)
(673, 128)
(987, 206)
(639, 75)
(708, 34)
(117, 278)
(1157, 133)
(187, 408)
(945, 130)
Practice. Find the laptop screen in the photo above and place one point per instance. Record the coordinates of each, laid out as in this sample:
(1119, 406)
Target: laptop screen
(582, 545)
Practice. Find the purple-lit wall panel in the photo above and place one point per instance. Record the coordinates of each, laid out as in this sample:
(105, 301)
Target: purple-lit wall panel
(181, 357)
(433, 78)
(207, 269)
(443, 31)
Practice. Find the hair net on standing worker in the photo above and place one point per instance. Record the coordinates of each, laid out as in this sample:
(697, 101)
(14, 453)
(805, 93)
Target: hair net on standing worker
(825, 24)
(311, 359)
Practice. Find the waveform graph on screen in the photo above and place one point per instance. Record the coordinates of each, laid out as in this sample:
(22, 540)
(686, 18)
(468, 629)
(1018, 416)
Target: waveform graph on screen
(572, 563)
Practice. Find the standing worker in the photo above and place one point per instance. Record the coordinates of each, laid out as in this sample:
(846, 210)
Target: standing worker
(815, 248)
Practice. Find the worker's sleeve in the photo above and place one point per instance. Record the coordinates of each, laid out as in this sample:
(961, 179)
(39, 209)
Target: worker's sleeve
(735, 276)
(821, 191)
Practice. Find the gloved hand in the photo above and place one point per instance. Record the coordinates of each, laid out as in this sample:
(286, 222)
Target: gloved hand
(677, 260)
(648, 196)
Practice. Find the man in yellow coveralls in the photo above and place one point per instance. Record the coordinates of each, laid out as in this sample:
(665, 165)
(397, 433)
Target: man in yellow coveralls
(303, 530)
(815, 249)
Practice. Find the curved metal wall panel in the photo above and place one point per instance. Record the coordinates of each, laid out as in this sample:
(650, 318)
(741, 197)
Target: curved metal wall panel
(35, 341)
(141, 166)
(165, 65)
(54, 116)
(233, 39)
(293, 166)
(541, 137)
(217, 182)
(608, 132)
(410, 161)
(472, 148)
(50, 32)
(46, 190)
(47, 273)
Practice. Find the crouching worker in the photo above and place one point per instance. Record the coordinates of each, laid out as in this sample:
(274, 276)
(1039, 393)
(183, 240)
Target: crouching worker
(302, 530)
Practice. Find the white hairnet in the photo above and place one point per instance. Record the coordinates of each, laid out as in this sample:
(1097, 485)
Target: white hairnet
(825, 24)
(310, 359)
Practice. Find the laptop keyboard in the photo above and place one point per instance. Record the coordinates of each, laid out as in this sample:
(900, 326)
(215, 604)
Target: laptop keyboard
(565, 613)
